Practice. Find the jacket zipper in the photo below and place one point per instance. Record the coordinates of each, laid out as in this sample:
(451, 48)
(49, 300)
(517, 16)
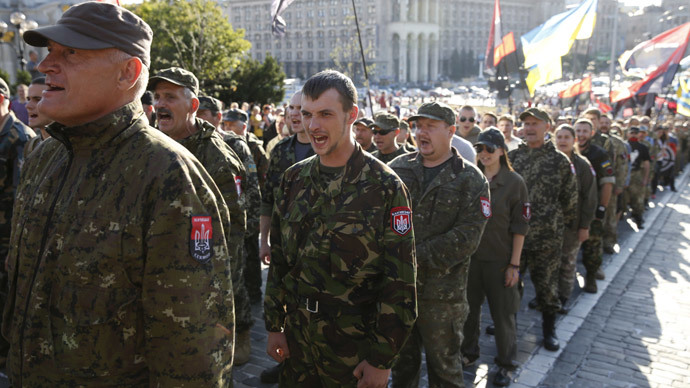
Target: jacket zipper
(70, 155)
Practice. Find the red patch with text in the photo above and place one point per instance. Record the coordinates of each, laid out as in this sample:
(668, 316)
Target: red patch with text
(401, 220)
(200, 242)
(527, 211)
(486, 207)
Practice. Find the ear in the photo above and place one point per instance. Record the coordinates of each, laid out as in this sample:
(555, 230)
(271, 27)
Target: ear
(397, 132)
(354, 113)
(195, 105)
(219, 116)
(452, 130)
(129, 73)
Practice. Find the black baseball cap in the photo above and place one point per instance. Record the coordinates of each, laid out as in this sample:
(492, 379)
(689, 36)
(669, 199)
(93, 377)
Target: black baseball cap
(97, 25)
(364, 121)
(492, 137)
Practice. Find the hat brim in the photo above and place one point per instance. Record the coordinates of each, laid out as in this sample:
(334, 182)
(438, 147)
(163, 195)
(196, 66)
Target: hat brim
(64, 36)
(153, 81)
(382, 126)
(524, 115)
(488, 143)
(427, 116)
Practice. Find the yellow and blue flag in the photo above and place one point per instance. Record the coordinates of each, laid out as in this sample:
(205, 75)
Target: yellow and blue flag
(684, 97)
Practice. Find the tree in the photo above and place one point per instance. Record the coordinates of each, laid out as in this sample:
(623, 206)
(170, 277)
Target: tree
(347, 56)
(194, 35)
(252, 81)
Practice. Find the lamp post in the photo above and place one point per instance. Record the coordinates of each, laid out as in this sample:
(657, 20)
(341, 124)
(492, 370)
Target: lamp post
(18, 20)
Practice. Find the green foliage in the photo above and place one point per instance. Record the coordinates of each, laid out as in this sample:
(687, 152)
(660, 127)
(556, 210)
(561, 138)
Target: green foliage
(23, 77)
(194, 35)
(252, 81)
(5, 75)
(347, 56)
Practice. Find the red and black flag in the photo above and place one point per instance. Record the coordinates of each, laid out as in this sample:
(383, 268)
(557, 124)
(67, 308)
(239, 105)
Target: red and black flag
(499, 46)
(576, 93)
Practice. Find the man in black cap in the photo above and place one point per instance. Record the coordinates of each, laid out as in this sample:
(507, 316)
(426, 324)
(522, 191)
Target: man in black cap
(385, 128)
(118, 263)
(235, 120)
(147, 105)
(364, 135)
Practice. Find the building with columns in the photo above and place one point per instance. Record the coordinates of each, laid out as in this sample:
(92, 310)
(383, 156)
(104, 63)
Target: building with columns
(409, 41)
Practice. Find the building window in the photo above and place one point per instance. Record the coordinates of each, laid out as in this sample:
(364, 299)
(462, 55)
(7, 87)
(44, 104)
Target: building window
(288, 56)
(310, 44)
(299, 55)
(333, 12)
(321, 55)
(299, 44)
(310, 55)
(321, 44)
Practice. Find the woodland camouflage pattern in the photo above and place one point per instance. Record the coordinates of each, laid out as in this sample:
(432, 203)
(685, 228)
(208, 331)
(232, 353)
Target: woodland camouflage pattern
(332, 240)
(223, 165)
(387, 158)
(256, 146)
(448, 224)
(282, 157)
(103, 286)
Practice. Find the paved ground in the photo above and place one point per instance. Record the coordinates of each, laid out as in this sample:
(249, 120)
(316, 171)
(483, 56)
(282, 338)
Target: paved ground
(631, 334)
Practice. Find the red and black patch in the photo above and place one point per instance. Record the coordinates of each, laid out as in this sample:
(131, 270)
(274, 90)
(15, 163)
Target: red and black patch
(572, 169)
(401, 220)
(609, 171)
(527, 211)
(486, 207)
(201, 239)
(238, 185)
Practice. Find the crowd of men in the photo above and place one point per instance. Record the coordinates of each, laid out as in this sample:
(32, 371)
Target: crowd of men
(136, 213)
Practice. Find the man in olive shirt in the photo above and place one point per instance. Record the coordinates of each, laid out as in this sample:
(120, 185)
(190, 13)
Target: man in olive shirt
(364, 135)
(386, 128)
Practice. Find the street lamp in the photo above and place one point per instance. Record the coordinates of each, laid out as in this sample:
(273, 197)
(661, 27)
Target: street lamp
(22, 25)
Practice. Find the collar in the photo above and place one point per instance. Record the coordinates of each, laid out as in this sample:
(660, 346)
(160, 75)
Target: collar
(106, 131)
(7, 122)
(501, 178)
(354, 168)
(204, 130)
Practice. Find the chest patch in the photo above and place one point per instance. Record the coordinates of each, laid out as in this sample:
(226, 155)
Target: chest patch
(486, 207)
(200, 242)
(401, 220)
(526, 211)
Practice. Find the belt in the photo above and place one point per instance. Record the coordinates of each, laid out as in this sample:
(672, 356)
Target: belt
(316, 306)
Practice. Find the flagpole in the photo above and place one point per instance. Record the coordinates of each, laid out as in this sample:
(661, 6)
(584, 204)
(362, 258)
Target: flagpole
(612, 66)
(364, 61)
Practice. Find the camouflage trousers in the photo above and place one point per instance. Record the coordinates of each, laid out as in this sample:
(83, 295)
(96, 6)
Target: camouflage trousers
(324, 350)
(243, 312)
(566, 279)
(486, 278)
(611, 222)
(252, 273)
(543, 260)
(593, 249)
(635, 193)
(438, 330)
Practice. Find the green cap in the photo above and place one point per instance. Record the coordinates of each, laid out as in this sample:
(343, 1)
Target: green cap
(97, 25)
(404, 126)
(385, 121)
(537, 114)
(235, 115)
(177, 76)
(435, 111)
(210, 103)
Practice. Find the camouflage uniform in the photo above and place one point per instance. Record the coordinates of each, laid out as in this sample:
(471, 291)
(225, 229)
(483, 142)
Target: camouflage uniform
(552, 185)
(448, 223)
(636, 190)
(256, 146)
(282, 157)
(251, 204)
(109, 285)
(386, 158)
(224, 167)
(14, 136)
(592, 249)
(342, 279)
(619, 163)
(587, 201)
(251, 241)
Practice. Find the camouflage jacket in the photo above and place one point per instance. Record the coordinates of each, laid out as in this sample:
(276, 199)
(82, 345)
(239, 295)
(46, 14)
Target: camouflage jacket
(112, 282)
(13, 137)
(256, 146)
(387, 158)
(282, 157)
(618, 154)
(448, 222)
(347, 243)
(250, 181)
(552, 185)
(587, 192)
(224, 167)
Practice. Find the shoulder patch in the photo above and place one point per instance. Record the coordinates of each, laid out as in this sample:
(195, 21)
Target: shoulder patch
(609, 171)
(200, 241)
(527, 211)
(238, 185)
(251, 168)
(486, 207)
(401, 220)
(606, 164)
(572, 168)
(594, 173)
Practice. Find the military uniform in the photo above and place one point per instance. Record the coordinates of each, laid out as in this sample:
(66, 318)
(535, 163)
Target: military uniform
(386, 158)
(342, 277)
(618, 156)
(510, 214)
(119, 270)
(636, 190)
(552, 185)
(251, 241)
(473, 135)
(449, 216)
(252, 204)
(14, 136)
(225, 167)
(587, 201)
(592, 249)
(256, 146)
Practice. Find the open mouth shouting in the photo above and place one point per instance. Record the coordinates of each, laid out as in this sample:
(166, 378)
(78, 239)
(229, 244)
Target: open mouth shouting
(164, 117)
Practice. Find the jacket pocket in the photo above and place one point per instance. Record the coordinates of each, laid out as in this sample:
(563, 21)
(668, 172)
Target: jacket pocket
(353, 247)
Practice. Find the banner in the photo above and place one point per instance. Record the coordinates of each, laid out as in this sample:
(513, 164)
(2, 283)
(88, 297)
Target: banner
(278, 24)
(576, 91)
(683, 99)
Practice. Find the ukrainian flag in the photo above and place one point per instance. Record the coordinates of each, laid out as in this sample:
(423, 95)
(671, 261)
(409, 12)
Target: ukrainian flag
(544, 46)
(684, 97)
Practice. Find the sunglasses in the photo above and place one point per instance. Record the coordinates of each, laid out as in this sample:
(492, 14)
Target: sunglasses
(382, 132)
(482, 147)
(463, 119)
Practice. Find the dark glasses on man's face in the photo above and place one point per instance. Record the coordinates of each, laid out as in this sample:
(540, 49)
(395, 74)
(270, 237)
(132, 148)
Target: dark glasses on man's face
(482, 147)
(382, 132)
(463, 119)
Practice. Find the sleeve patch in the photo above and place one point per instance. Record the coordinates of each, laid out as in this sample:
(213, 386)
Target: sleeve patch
(527, 211)
(594, 173)
(572, 169)
(609, 171)
(401, 220)
(486, 207)
(200, 241)
(238, 185)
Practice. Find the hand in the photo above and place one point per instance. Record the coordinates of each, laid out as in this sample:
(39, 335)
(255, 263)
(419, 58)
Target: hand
(371, 377)
(277, 347)
(265, 253)
(512, 276)
(582, 235)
